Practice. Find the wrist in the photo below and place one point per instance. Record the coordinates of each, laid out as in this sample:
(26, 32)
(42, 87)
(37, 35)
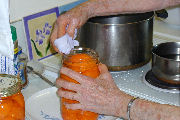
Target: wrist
(89, 8)
(96, 7)
(123, 100)
(130, 105)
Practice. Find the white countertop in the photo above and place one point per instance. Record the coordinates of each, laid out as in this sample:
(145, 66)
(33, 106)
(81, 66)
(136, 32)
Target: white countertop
(35, 84)
(165, 32)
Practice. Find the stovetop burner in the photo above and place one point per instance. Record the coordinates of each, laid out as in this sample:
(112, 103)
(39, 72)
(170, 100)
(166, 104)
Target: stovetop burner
(160, 85)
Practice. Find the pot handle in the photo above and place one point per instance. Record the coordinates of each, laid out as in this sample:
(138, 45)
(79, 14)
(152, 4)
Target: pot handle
(161, 14)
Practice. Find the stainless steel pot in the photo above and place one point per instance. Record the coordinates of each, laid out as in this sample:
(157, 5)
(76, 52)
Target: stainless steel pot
(122, 41)
(166, 62)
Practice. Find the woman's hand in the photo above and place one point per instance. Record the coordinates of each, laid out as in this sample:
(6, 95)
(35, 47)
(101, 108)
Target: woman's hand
(73, 18)
(100, 95)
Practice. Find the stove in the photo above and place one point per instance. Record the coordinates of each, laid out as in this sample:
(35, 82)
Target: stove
(133, 82)
(157, 84)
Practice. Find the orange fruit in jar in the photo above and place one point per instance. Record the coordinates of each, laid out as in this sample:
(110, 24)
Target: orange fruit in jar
(18, 108)
(68, 114)
(12, 104)
(89, 115)
(86, 65)
(10, 118)
(80, 57)
(93, 72)
(80, 62)
(12, 108)
(17, 112)
(6, 103)
(19, 99)
(68, 79)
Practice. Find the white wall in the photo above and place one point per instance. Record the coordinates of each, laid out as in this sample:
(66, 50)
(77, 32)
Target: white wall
(21, 8)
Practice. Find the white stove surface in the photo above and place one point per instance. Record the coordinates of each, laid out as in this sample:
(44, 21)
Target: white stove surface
(132, 83)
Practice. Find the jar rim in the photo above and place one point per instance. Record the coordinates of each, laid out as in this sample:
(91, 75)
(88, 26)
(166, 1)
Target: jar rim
(78, 49)
(82, 50)
(9, 85)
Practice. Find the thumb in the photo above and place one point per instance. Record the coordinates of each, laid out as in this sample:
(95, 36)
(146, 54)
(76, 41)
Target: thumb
(103, 68)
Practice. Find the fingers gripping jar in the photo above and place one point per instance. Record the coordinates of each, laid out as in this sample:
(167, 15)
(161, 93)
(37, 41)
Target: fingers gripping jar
(12, 105)
(84, 61)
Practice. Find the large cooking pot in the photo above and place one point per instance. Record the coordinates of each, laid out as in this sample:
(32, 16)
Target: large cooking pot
(122, 41)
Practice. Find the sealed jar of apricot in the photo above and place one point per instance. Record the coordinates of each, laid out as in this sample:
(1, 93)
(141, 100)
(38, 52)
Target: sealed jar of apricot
(84, 61)
(12, 105)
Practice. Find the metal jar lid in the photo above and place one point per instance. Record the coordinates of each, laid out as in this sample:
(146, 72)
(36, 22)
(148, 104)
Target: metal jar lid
(9, 85)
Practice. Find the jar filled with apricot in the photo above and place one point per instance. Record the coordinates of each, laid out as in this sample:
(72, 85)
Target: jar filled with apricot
(84, 61)
(12, 105)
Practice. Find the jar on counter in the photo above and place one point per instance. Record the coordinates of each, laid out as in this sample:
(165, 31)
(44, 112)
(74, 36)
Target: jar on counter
(15, 42)
(22, 63)
(84, 61)
(12, 104)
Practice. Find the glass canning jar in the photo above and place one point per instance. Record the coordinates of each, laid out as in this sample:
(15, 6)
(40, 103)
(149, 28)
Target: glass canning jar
(84, 61)
(12, 104)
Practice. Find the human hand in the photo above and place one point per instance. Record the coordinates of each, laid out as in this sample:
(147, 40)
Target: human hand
(73, 18)
(99, 95)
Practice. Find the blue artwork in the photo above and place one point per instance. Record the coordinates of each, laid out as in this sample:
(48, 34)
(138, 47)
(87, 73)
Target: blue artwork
(41, 34)
(38, 28)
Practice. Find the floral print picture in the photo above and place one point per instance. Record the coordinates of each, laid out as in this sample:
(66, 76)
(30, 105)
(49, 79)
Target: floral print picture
(38, 28)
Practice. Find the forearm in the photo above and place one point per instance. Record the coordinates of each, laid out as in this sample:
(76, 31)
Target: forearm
(153, 111)
(112, 7)
(145, 110)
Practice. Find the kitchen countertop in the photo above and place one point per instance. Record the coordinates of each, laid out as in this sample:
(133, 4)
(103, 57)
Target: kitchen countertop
(166, 29)
(165, 32)
(35, 84)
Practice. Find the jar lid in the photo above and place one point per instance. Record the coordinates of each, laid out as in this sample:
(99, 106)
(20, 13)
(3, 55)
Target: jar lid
(82, 50)
(9, 85)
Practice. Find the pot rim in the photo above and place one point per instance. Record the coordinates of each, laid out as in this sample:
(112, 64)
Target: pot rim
(155, 47)
(120, 24)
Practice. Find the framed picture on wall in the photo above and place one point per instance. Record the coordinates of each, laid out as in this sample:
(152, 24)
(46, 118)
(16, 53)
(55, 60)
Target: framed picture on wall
(38, 28)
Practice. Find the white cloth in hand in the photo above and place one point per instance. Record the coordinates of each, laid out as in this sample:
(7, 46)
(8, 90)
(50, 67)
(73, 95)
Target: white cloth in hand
(66, 43)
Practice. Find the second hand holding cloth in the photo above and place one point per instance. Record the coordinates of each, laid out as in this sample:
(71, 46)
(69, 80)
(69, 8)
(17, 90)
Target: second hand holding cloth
(66, 43)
